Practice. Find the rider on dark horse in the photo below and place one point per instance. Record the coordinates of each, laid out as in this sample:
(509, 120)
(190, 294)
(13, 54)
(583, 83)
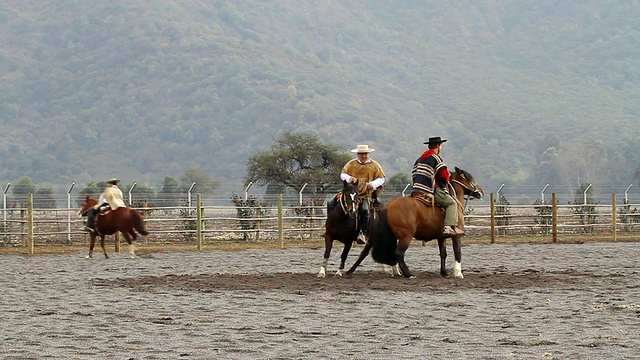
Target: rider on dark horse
(431, 178)
(111, 196)
(369, 176)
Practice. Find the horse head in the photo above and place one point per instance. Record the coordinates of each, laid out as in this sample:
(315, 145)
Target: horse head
(89, 202)
(468, 183)
(349, 198)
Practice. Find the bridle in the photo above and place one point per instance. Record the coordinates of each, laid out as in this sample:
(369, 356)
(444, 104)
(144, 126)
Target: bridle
(345, 206)
(471, 188)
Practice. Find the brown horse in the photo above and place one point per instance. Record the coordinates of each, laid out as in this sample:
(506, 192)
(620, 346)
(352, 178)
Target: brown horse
(342, 223)
(126, 220)
(404, 218)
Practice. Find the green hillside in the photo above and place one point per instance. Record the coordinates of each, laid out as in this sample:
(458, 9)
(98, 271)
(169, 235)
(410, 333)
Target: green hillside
(527, 92)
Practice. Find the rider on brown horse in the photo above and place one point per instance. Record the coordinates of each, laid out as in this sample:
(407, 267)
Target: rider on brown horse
(431, 177)
(111, 196)
(369, 176)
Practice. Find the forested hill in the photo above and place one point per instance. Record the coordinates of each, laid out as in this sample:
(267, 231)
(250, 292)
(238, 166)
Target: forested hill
(527, 92)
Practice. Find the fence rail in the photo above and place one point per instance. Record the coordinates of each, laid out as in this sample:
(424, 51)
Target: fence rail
(200, 224)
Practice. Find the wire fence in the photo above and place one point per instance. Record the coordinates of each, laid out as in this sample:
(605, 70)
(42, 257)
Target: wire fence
(253, 219)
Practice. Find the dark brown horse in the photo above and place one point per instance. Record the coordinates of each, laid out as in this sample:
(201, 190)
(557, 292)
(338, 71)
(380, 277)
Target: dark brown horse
(404, 218)
(342, 223)
(125, 220)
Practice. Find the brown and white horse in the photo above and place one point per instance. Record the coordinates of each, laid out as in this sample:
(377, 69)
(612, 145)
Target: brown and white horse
(405, 218)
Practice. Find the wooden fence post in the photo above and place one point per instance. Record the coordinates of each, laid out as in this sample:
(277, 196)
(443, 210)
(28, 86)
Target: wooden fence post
(493, 219)
(613, 217)
(280, 222)
(32, 247)
(23, 214)
(554, 217)
(198, 222)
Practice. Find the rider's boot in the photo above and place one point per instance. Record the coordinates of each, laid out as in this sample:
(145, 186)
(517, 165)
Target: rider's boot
(363, 237)
(91, 220)
(452, 231)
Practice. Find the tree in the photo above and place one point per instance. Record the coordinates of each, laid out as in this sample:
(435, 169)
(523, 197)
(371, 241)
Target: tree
(93, 189)
(204, 183)
(44, 199)
(398, 181)
(145, 195)
(22, 189)
(169, 195)
(296, 159)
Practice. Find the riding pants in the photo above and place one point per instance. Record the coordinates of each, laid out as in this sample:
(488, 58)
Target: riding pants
(363, 212)
(448, 203)
(91, 216)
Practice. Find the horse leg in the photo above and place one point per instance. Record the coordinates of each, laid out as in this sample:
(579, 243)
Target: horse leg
(127, 236)
(103, 248)
(328, 244)
(457, 253)
(363, 254)
(442, 246)
(403, 245)
(343, 257)
(92, 243)
(393, 270)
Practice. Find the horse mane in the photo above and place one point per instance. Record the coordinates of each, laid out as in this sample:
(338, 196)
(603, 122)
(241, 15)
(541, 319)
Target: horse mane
(349, 187)
(466, 174)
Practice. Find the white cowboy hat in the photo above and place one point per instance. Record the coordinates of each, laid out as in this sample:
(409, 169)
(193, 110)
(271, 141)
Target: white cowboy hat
(113, 181)
(361, 149)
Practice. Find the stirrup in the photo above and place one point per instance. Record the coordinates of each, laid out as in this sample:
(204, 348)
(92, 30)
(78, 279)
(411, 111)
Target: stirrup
(452, 231)
(448, 230)
(458, 231)
(361, 239)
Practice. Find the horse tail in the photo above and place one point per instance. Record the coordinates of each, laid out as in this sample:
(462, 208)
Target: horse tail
(383, 240)
(138, 223)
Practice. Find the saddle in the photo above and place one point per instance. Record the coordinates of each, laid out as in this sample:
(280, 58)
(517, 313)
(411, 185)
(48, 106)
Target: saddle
(423, 197)
(104, 210)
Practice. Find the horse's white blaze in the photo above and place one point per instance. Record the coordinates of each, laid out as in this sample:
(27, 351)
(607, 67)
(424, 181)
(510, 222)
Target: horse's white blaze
(457, 270)
(323, 272)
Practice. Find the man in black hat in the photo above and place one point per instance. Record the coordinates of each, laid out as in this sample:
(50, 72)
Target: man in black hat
(430, 175)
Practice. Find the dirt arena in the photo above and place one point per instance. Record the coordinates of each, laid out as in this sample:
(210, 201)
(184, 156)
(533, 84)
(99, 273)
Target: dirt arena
(517, 301)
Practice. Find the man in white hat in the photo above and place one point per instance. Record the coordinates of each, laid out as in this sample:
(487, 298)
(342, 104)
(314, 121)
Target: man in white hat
(111, 196)
(369, 176)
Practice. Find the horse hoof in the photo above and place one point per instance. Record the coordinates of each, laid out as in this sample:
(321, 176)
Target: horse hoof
(458, 276)
(321, 275)
(339, 273)
(88, 257)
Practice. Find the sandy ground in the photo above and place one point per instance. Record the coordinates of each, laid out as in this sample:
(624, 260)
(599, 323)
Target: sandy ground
(517, 301)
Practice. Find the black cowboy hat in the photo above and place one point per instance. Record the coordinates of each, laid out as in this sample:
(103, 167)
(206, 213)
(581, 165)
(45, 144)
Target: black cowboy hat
(435, 140)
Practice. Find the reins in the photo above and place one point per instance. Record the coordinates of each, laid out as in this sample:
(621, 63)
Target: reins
(343, 206)
(466, 197)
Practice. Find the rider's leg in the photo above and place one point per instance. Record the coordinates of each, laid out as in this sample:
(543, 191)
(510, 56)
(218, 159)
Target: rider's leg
(363, 212)
(450, 211)
(91, 219)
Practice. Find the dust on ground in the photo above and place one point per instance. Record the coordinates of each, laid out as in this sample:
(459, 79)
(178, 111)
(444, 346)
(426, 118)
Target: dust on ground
(517, 301)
